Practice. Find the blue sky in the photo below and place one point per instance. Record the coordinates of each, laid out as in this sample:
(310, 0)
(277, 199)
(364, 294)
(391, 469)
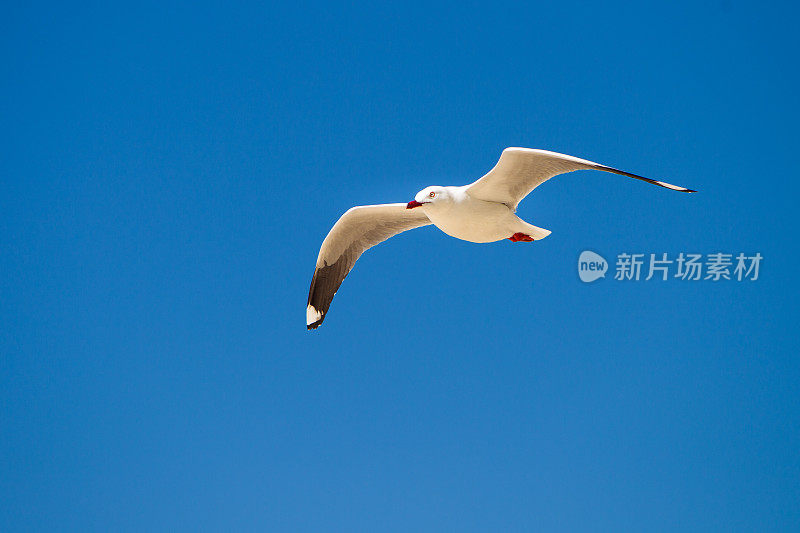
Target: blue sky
(170, 170)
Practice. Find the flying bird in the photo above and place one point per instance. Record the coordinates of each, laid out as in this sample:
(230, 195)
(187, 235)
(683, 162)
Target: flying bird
(483, 211)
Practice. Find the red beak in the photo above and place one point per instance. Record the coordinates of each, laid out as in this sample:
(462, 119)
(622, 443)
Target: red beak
(412, 204)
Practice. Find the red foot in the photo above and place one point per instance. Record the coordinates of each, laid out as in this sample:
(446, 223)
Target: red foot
(517, 237)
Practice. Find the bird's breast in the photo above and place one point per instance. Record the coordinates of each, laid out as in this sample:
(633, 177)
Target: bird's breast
(473, 220)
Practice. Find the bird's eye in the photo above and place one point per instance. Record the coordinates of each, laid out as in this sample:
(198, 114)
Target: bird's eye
(432, 194)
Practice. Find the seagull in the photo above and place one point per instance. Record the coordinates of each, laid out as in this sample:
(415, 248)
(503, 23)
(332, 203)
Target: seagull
(483, 211)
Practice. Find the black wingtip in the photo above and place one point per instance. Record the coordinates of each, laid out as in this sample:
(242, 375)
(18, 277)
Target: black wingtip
(314, 325)
(648, 180)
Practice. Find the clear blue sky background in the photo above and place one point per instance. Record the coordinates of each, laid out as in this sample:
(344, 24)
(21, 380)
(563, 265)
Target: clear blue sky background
(170, 170)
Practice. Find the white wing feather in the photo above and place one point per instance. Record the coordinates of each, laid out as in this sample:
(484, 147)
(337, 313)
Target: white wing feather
(358, 230)
(520, 170)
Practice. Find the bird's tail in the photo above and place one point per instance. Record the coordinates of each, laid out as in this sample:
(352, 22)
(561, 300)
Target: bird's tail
(534, 231)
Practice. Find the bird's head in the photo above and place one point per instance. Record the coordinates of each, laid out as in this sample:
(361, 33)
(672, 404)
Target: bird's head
(429, 195)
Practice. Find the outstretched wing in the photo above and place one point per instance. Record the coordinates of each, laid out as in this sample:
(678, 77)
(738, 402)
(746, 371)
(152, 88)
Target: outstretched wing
(520, 170)
(358, 230)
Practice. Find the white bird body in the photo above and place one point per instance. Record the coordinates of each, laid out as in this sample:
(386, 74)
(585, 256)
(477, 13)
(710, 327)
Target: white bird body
(460, 215)
(483, 211)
